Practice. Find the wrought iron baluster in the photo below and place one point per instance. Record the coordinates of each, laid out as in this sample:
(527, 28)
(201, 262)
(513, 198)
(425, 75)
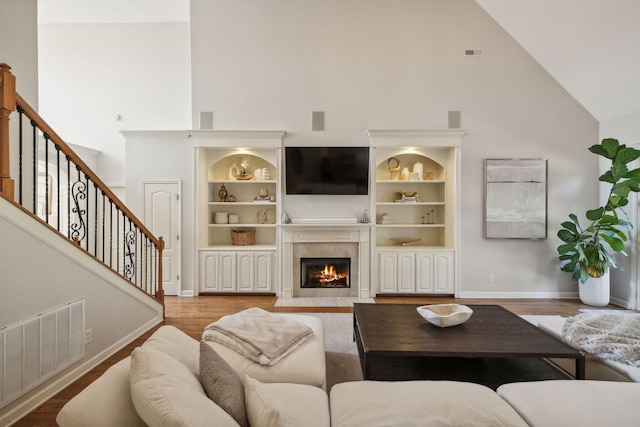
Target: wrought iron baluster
(35, 166)
(104, 206)
(130, 252)
(20, 152)
(110, 233)
(117, 238)
(146, 263)
(68, 196)
(87, 234)
(79, 193)
(58, 185)
(46, 178)
(95, 220)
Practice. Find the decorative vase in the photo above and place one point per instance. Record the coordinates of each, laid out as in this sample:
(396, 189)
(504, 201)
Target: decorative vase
(595, 291)
(234, 171)
(222, 193)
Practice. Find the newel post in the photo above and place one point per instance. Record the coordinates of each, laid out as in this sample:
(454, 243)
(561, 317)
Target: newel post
(7, 105)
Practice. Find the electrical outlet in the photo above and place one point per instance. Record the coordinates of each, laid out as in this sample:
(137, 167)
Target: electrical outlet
(491, 278)
(88, 336)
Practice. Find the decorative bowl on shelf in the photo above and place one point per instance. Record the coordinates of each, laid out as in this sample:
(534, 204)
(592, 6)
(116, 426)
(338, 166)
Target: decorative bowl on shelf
(244, 176)
(405, 241)
(407, 193)
(445, 315)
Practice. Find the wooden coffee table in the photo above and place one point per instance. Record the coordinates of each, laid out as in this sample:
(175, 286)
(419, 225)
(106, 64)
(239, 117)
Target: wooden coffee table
(493, 347)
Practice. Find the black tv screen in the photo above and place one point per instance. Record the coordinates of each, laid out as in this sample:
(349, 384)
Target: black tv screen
(327, 170)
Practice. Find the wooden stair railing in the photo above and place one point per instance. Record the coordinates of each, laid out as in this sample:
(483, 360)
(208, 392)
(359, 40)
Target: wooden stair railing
(55, 186)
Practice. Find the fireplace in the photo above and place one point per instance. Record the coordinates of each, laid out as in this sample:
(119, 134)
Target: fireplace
(324, 243)
(325, 272)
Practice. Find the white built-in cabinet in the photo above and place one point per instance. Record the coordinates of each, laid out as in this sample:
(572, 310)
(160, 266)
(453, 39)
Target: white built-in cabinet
(416, 272)
(224, 266)
(236, 271)
(415, 208)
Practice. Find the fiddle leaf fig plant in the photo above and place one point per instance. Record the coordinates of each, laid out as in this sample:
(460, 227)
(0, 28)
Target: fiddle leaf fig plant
(589, 251)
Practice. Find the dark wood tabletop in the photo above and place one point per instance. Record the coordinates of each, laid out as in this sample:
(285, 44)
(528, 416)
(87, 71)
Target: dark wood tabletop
(397, 330)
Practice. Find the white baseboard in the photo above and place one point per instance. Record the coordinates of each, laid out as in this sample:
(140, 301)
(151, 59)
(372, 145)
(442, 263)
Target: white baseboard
(512, 295)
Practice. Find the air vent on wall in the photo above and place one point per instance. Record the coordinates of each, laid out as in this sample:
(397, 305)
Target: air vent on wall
(472, 53)
(35, 349)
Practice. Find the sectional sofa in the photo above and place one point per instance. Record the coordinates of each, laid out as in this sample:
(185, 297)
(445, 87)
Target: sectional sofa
(163, 383)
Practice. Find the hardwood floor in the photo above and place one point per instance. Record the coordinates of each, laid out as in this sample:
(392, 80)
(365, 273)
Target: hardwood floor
(192, 315)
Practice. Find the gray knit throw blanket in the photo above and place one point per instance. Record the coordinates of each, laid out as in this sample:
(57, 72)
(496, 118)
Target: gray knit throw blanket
(613, 337)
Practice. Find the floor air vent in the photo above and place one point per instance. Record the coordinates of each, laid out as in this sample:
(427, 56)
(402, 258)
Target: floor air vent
(39, 347)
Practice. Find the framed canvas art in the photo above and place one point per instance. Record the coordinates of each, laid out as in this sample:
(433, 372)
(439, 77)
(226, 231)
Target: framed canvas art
(515, 203)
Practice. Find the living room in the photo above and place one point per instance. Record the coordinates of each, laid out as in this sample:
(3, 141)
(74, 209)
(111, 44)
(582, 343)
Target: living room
(367, 66)
(510, 106)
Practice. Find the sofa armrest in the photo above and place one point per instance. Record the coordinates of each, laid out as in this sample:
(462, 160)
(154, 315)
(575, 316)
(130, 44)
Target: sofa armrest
(106, 402)
(575, 403)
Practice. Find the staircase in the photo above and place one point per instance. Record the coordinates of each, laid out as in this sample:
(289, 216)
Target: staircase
(65, 237)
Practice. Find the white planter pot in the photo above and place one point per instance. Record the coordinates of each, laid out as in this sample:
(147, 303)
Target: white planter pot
(595, 291)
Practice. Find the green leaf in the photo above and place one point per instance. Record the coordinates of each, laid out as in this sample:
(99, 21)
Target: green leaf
(608, 177)
(615, 243)
(570, 226)
(595, 214)
(627, 155)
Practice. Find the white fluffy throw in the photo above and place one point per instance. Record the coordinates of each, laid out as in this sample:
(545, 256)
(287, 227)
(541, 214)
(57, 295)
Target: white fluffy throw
(258, 335)
(613, 337)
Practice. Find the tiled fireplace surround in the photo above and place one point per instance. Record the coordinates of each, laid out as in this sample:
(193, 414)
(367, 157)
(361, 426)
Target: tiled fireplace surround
(333, 240)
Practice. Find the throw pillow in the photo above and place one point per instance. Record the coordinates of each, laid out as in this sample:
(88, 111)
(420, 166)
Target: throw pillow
(263, 408)
(166, 393)
(222, 384)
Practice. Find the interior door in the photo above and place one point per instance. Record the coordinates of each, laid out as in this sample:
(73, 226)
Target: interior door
(161, 215)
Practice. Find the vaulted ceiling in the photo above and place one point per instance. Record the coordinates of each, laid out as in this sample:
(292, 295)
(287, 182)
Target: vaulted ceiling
(589, 46)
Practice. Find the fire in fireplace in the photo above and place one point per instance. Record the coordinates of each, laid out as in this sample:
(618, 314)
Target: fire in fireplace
(325, 272)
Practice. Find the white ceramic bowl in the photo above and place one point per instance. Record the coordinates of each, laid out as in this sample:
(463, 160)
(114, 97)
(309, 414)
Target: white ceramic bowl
(445, 315)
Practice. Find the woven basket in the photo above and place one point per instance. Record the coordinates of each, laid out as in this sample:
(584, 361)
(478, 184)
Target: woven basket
(243, 236)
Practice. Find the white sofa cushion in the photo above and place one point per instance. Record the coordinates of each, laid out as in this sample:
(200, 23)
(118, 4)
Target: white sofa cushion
(106, 402)
(172, 341)
(285, 404)
(574, 403)
(166, 393)
(418, 403)
(596, 369)
(305, 365)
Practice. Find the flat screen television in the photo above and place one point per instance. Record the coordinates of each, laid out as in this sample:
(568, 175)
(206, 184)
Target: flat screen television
(327, 170)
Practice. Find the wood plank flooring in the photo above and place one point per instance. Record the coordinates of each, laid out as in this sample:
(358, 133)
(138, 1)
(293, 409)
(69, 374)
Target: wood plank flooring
(192, 315)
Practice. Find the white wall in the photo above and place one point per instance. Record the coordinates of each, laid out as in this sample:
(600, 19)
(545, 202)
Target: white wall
(114, 76)
(376, 64)
(19, 45)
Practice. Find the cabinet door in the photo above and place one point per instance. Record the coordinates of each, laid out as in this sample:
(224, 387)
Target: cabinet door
(264, 271)
(424, 272)
(388, 272)
(209, 272)
(227, 273)
(444, 272)
(406, 273)
(246, 272)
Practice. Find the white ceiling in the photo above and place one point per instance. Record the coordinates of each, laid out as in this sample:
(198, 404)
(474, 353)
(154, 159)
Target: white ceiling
(588, 46)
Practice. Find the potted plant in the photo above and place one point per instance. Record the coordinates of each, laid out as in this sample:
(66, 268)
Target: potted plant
(589, 252)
